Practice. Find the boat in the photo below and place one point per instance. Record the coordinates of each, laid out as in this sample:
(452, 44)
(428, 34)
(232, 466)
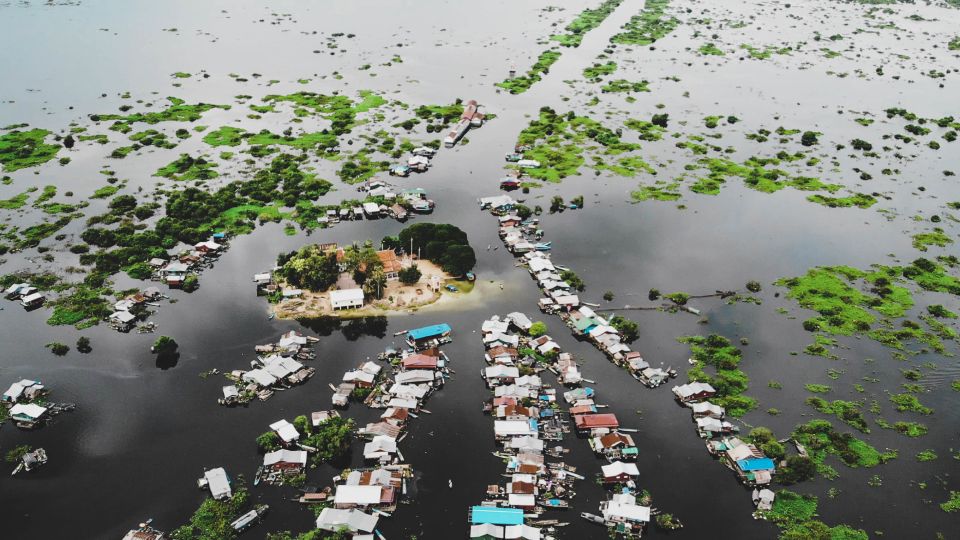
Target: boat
(249, 519)
(450, 483)
(543, 246)
(471, 276)
(593, 518)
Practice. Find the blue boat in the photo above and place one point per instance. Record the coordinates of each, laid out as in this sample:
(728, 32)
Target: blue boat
(543, 246)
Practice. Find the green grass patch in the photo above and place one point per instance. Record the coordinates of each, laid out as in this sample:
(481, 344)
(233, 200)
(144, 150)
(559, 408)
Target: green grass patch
(600, 70)
(519, 85)
(648, 26)
(187, 167)
(587, 20)
(936, 237)
(22, 149)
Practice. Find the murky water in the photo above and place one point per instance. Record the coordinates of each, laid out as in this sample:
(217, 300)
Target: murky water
(143, 433)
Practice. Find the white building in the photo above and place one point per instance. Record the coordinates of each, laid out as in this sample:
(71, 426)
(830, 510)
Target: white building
(346, 299)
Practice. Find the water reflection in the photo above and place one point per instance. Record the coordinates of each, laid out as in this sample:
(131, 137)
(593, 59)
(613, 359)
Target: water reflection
(352, 329)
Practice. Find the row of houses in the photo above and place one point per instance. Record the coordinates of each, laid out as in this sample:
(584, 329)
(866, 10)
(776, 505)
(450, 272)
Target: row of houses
(174, 271)
(526, 409)
(29, 296)
(278, 365)
(523, 237)
(361, 496)
(382, 200)
(751, 466)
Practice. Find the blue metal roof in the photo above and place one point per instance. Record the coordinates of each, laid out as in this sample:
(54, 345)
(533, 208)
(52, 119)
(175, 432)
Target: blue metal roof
(755, 464)
(496, 516)
(429, 331)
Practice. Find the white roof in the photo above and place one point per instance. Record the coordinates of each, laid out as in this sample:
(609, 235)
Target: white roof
(381, 445)
(415, 376)
(333, 519)
(32, 298)
(262, 277)
(31, 410)
(230, 391)
(512, 428)
(16, 389)
(177, 267)
(618, 467)
(358, 495)
(690, 389)
(531, 443)
(412, 391)
(495, 326)
(522, 499)
(285, 430)
(371, 368)
(497, 200)
(371, 208)
(530, 381)
(346, 296)
(218, 483)
(285, 456)
(281, 366)
(292, 338)
(629, 512)
(567, 300)
(405, 403)
(521, 532)
(123, 316)
(357, 375)
(520, 320)
(486, 529)
(501, 371)
(259, 376)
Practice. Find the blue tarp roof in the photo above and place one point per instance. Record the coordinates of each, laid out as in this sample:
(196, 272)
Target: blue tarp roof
(496, 516)
(429, 331)
(755, 464)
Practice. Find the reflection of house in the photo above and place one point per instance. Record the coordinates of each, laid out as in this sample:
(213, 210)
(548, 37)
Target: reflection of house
(346, 299)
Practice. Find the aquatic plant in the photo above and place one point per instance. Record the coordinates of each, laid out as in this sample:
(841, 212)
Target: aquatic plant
(821, 439)
(187, 167)
(177, 111)
(587, 20)
(648, 26)
(519, 85)
(599, 70)
(212, 520)
(22, 149)
(729, 382)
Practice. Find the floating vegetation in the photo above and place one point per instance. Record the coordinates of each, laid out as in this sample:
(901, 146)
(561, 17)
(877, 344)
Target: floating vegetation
(623, 85)
(648, 26)
(729, 382)
(178, 111)
(22, 149)
(821, 439)
(909, 403)
(519, 85)
(187, 167)
(845, 309)
(587, 20)
(847, 411)
(953, 503)
(936, 237)
(926, 455)
(794, 514)
(709, 49)
(559, 142)
(599, 70)
(763, 53)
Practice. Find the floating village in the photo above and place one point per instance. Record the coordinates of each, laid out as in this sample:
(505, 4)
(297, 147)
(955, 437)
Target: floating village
(601, 269)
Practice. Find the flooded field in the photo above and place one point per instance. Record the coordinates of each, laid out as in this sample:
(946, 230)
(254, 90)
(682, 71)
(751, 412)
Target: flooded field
(800, 156)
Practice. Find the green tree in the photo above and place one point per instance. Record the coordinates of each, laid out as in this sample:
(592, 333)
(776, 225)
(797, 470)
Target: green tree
(191, 283)
(629, 330)
(538, 329)
(410, 275)
(164, 344)
(375, 284)
(83, 344)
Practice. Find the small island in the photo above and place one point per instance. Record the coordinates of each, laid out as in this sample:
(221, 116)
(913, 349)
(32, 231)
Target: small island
(409, 271)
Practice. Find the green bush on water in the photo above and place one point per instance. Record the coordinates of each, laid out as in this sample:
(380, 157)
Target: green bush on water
(847, 411)
(22, 149)
(587, 20)
(936, 237)
(83, 306)
(795, 515)
(623, 85)
(648, 26)
(519, 85)
(730, 382)
(710, 49)
(762, 53)
(599, 70)
(187, 167)
(953, 503)
(909, 403)
(213, 518)
(177, 111)
(821, 439)
(225, 136)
